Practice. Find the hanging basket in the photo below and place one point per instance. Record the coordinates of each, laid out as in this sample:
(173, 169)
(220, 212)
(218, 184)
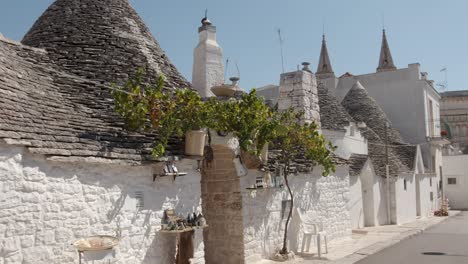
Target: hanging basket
(195, 143)
(250, 161)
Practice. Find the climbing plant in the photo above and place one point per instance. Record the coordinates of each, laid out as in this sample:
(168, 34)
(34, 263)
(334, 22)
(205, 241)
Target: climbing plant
(175, 112)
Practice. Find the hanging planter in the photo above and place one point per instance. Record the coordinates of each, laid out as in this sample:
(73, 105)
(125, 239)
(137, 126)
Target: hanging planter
(195, 143)
(227, 90)
(250, 161)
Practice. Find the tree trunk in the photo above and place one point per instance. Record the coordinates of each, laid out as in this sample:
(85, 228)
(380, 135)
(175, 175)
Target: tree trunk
(285, 250)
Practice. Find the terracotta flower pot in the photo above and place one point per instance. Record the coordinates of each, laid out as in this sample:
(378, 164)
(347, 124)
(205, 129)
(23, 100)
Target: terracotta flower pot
(195, 142)
(250, 161)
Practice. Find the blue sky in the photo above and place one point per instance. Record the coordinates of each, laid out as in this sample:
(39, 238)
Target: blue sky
(431, 32)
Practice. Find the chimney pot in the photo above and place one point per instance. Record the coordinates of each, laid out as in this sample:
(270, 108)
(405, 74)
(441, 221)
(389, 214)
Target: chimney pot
(306, 66)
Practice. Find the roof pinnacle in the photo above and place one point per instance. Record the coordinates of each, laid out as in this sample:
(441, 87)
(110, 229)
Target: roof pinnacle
(385, 60)
(324, 65)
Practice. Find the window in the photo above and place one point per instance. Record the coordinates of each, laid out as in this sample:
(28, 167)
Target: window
(431, 196)
(430, 182)
(404, 184)
(452, 181)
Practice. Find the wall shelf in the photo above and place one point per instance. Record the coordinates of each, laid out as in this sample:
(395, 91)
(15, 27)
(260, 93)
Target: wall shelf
(269, 188)
(182, 231)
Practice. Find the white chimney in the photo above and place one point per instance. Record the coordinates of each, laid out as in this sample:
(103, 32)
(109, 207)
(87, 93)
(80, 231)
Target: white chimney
(208, 68)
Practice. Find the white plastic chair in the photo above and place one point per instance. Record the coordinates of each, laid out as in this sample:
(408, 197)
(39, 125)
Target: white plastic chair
(311, 230)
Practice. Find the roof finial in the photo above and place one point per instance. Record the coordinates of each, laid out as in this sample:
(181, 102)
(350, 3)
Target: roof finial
(385, 60)
(205, 20)
(383, 21)
(324, 65)
(323, 27)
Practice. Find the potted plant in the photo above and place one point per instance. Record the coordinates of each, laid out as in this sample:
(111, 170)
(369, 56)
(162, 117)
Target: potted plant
(193, 118)
(248, 119)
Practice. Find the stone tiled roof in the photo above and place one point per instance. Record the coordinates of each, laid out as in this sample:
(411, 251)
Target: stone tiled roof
(363, 108)
(103, 40)
(300, 164)
(376, 152)
(356, 163)
(54, 90)
(60, 115)
(332, 114)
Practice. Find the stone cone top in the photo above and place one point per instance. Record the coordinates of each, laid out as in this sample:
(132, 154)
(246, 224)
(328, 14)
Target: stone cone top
(324, 65)
(385, 60)
(103, 40)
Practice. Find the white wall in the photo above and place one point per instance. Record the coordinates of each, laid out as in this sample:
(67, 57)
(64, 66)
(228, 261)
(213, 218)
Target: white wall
(322, 198)
(373, 196)
(426, 183)
(45, 206)
(401, 95)
(456, 167)
(346, 143)
(355, 203)
(405, 199)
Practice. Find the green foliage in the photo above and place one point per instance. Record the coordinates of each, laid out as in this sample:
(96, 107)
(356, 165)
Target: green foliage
(148, 108)
(248, 119)
(151, 108)
(295, 138)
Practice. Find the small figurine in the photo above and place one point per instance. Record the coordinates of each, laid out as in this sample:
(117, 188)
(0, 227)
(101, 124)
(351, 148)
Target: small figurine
(201, 221)
(190, 219)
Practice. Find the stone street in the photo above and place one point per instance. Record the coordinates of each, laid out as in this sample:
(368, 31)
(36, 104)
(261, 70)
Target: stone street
(369, 245)
(444, 243)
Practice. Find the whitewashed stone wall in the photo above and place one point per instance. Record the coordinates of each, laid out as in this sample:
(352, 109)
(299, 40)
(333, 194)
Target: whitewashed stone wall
(405, 199)
(322, 198)
(355, 203)
(45, 206)
(426, 184)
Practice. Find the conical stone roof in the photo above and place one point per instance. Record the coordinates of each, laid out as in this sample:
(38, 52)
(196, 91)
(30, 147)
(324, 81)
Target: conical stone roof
(332, 114)
(101, 40)
(363, 108)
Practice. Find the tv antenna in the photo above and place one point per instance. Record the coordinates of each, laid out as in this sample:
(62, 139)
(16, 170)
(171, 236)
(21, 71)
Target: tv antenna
(281, 49)
(444, 85)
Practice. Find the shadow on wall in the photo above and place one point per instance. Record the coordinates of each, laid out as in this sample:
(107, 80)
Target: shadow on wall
(85, 199)
(324, 199)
